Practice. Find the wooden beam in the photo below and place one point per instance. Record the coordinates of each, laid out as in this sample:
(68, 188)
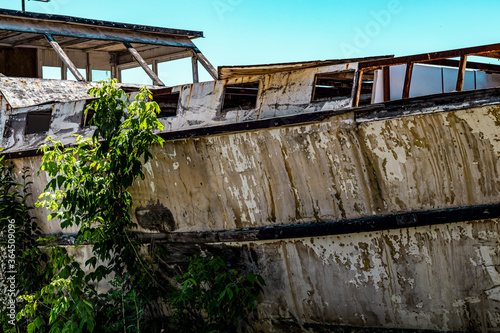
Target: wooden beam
(194, 62)
(206, 64)
(28, 40)
(75, 41)
(461, 73)
(407, 83)
(471, 65)
(387, 83)
(356, 88)
(99, 47)
(143, 64)
(485, 50)
(160, 54)
(64, 57)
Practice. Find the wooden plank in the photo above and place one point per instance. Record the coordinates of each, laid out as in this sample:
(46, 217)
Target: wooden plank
(387, 83)
(407, 83)
(74, 41)
(484, 50)
(205, 63)
(356, 89)
(158, 53)
(64, 58)
(470, 64)
(143, 64)
(194, 63)
(324, 228)
(28, 40)
(461, 73)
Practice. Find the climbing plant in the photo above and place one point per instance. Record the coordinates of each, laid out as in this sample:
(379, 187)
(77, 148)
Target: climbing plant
(89, 189)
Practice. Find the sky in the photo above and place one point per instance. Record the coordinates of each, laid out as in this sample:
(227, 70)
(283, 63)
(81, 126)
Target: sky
(246, 32)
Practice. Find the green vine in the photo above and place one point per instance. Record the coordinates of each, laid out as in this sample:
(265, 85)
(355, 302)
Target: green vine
(89, 188)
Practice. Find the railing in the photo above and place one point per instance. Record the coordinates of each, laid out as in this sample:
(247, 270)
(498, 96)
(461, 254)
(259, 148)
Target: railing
(435, 58)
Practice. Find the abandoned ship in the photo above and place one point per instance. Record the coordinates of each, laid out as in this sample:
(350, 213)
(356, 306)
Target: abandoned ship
(365, 191)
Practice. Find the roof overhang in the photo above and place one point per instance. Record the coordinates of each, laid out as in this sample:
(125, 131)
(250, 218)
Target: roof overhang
(21, 29)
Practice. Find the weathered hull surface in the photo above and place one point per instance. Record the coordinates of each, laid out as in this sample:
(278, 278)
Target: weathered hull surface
(440, 277)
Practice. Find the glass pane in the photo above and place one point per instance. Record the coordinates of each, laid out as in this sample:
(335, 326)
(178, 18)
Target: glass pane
(49, 72)
(98, 75)
(70, 76)
(136, 75)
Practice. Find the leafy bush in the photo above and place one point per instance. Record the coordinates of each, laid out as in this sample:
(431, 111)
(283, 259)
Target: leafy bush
(89, 188)
(212, 297)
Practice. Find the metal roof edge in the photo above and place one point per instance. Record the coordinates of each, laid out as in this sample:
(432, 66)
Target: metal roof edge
(100, 23)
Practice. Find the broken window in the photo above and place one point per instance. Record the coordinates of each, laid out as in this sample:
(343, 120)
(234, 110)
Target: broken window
(329, 86)
(338, 85)
(241, 96)
(38, 121)
(167, 101)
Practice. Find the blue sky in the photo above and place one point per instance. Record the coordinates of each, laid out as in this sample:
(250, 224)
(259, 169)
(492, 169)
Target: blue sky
(243, 32)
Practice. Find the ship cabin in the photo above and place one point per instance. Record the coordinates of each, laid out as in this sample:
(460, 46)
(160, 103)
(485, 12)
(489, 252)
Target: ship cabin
(48, 63)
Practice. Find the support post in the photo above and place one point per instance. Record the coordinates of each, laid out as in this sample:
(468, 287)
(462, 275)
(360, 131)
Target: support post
(88, 68)
(461, 73)
(206, 64)
(356, 89)
(143, 64)
(194, 62)
(64, 57)
(386, 71)
(407, 83)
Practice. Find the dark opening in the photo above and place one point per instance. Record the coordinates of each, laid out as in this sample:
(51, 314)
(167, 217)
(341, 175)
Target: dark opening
(332, 86)
(87, 116)
(167, 101)
(241, 96)
(18, 62)
(38, 121)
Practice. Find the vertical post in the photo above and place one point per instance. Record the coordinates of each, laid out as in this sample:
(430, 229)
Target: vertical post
(386, 71)
(24, 5)
(155, 67)
(407, 83)
(356, 89)
(64, 72)
(461, 73)
(194, 62)
(88, 69)
(114, 67)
